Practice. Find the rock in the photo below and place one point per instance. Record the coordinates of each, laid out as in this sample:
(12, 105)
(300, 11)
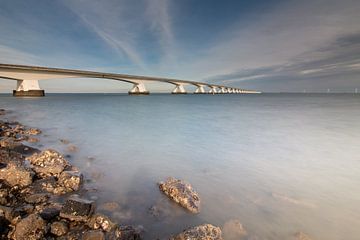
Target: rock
(32, 140)
(99, 221)
(4, 227)
(71, 180)
(50, 212)
(124, 233)
(233, 230)
(5, 192)
(93, 235)
(76, 209)
(301, 236)
(202, 232)
(32, 227)
(7, 156)
(110, 206)
(59, 228)
(182, 193)
(48, 163)
(32, 131)
(16, 175)
(64, 141)
(37, 198)
(7, 213)
(72, 148)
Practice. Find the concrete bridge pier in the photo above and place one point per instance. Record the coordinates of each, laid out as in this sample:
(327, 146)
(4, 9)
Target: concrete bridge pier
(213, 90)
(28, 88)
(179, 89)
(139, 89)
(200, 89)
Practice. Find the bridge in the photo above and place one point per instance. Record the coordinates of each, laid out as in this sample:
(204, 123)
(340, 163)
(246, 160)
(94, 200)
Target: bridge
(28, 77)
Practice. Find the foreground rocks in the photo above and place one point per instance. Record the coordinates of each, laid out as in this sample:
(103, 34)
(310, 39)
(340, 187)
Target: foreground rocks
(182, 193)
(202, 232)
(31, 182)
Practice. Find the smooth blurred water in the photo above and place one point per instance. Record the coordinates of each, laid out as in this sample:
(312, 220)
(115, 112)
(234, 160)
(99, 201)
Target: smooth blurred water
(280, 163)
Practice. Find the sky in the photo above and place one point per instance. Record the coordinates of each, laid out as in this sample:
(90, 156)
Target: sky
(271, 46)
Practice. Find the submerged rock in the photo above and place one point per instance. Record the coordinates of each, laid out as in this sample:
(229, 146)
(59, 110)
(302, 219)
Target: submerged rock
(301, 236)
(48, 163)
(32, 131)
(202, 232)
(233, 230)
(182, 193)
(124, 233)
(16, 175)
(76, 209)
(32, 227)
(93, 235)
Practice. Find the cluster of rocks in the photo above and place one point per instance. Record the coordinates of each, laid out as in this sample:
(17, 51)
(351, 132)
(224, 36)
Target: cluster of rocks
(39, 194)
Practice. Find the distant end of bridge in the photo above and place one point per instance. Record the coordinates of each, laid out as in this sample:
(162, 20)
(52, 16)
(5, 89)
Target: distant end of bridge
(28, 77)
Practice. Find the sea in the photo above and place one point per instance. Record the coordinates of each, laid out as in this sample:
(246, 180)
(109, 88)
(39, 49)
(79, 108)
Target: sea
(279, 164)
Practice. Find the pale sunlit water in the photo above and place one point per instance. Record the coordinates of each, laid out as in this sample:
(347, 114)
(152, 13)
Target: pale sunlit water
(280, 163)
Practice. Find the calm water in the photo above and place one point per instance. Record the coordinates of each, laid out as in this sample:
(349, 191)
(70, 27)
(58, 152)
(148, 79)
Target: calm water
(280, 163)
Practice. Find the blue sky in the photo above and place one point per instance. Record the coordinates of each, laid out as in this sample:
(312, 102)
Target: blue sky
(264, 45)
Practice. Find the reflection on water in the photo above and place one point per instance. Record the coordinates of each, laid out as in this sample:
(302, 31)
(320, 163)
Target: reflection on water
(277, 164)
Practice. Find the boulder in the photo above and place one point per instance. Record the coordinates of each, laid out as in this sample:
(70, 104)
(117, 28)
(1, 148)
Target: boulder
(202, 232)
(59, 228)
(50, 212)
(16, 175)
(48, 163)
(182, 193)
(71, 180)
(32, 227)
(77, 209)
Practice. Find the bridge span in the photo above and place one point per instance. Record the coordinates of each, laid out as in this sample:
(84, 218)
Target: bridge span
(28, 77)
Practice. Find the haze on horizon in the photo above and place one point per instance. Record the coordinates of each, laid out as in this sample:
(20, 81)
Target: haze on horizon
(269, 45)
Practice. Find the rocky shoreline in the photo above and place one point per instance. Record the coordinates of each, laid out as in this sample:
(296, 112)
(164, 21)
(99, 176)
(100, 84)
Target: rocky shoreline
(40, 196)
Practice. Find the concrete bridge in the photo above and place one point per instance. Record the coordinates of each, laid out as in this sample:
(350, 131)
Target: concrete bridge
(28, 77)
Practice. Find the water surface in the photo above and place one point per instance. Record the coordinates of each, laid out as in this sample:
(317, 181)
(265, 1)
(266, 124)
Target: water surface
(280, 163)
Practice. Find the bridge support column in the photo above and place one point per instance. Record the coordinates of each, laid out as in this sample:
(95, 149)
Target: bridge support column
(179, 89)
(200, 90)
(28, 88)
(213, 90)
(139, 89)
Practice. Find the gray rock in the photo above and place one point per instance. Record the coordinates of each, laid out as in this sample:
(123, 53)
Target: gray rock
(16, 175)
(37, 198)
(76, 209)
(30, 228)
(182, 193)
(59, 228)
(50, 212)
(202, 232)
(48, 163)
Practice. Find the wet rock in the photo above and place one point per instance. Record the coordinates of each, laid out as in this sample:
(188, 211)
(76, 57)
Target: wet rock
(109, 206)
(124, 233)
(32, 227)
(50, 212)
(5, 192)
(71, 180)
(24, 210)
(99, 221)
(4, 227)
(64, 141)
(301, 236)
(7, 156)
(32, 131)
(2, 111)
(37, 198)
(202, 232)
(7, 213)
(93, 235)
(182, 193)
(59, 228)
(233, 230)
(16, 175)
(76, 209)
(72, 148)
(32, 140)
(48, 163)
